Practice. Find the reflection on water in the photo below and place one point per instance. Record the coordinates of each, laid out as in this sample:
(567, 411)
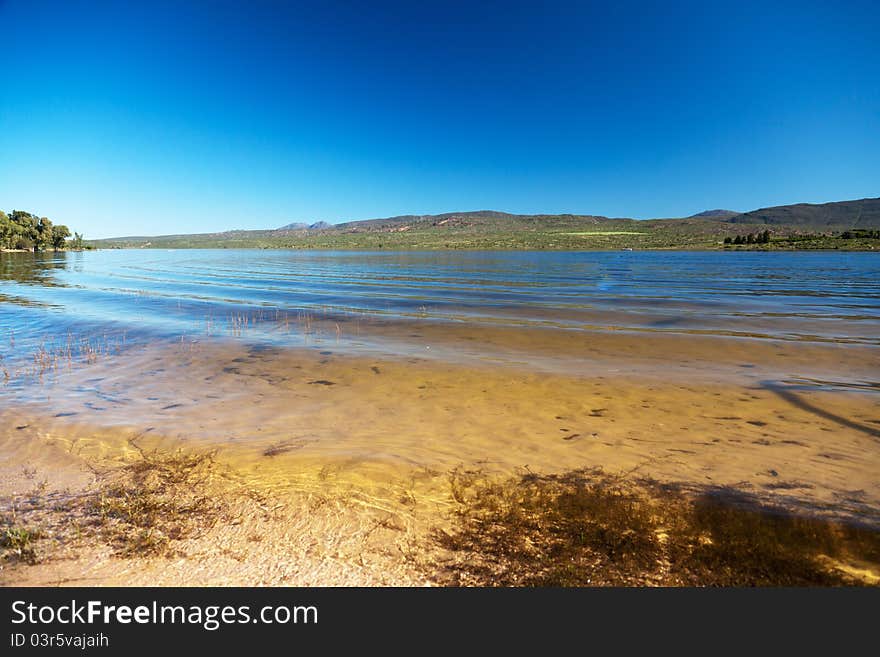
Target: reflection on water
(38, 269)
(808, 296)
(34, 268)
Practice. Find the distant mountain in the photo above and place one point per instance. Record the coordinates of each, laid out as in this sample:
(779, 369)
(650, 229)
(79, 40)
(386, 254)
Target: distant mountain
(479, 219)
(863, 213)
(714, 214)
(491, 229)
(299, 225)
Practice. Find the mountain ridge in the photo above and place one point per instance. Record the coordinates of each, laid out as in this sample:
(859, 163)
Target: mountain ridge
(858, 213)
(715, 213)
(495, 229)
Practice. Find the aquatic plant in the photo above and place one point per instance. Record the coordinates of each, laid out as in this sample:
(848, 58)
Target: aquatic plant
(587, 528)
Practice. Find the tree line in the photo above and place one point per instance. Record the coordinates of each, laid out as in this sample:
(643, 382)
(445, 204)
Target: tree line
(752, 238)
(25, 231)
(856, 233)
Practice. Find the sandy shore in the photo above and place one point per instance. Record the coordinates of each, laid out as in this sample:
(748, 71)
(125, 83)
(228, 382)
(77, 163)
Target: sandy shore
(336, 469)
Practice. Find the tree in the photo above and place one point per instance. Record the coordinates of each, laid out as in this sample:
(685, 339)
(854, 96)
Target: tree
(77, 241)
(44, 234)
(728, 240)
(7, 231)
(23, 230)
(738, 239)
(60, 233)
(25, 225)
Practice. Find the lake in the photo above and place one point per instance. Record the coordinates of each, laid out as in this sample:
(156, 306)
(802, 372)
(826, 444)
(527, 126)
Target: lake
(371, 376)
(810, 297)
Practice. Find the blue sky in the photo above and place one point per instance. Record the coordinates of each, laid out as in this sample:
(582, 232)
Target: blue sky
(165, 117)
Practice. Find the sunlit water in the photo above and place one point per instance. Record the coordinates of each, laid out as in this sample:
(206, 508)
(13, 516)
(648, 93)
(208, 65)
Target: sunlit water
(822, 296)
(707, 367)
(557, 312)
(547, 310)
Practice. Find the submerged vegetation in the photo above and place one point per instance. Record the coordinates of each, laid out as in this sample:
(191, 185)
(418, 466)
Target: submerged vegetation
(586, 528)
(18, 542)
(48, 358)
(144, 508)
(579, 528)
(24, 231)
(160, 498)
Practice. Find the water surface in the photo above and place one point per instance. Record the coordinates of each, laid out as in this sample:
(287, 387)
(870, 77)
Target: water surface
(373, 370)
(786, 296)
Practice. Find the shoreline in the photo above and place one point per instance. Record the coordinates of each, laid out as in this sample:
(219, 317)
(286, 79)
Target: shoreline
(364, 457)
(708, 248)
(167, 517)
(312, 247)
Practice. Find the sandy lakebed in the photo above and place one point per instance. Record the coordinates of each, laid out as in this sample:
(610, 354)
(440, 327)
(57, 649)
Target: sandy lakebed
(339, 469)
(723, 451)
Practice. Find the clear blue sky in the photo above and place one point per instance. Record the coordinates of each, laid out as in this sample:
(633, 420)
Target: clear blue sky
(164, 117)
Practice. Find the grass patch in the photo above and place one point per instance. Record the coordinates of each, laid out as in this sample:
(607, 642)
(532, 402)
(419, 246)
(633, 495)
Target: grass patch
(586, 528)
(161, 498)
(593, 233)
(17, 543)
(144, 508)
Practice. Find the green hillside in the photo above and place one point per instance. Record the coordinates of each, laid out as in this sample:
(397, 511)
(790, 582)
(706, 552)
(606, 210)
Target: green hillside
(795, 226)
(863, 213)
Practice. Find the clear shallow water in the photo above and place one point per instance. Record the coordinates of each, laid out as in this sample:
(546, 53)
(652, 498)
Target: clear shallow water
(731, 366)
(165, 294)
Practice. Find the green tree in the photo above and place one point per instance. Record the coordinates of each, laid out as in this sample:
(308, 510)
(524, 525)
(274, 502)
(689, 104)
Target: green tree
(7, 231)
(60, 233)
(23, 230)
(25, 225)
(44, 234)
(77, 242)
